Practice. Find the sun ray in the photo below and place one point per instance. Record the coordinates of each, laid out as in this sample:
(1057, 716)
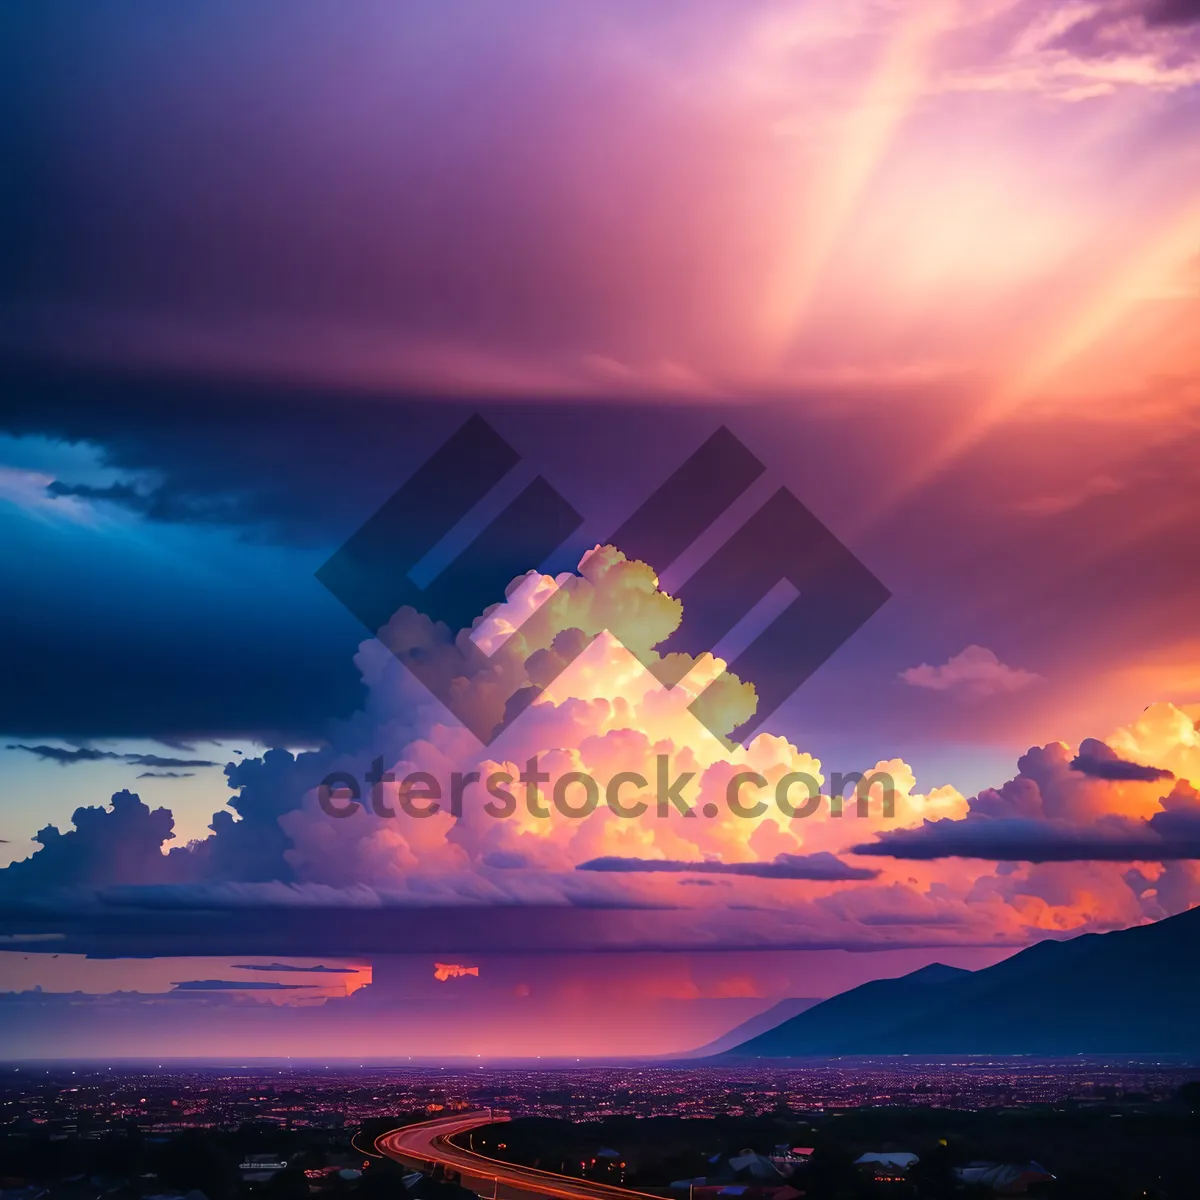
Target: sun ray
(1139, 278)
(863, 139)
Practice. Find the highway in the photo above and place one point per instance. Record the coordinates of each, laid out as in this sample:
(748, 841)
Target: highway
(426, 1145)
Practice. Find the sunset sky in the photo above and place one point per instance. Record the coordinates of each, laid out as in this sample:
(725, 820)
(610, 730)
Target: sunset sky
(936, 264)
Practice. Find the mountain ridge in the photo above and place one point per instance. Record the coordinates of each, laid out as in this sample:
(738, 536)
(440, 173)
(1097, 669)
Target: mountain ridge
(1130, 990)
(770, 1018)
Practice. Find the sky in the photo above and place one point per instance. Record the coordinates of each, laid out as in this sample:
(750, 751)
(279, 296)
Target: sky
(935, 265)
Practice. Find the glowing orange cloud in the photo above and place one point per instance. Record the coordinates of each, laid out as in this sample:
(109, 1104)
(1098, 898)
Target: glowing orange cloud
(445, 971)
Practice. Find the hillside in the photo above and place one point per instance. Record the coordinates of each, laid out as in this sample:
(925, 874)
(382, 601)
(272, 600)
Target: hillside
(1131, 991)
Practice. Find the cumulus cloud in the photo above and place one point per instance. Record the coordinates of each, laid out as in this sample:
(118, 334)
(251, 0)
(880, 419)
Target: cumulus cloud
(279, 875)
(1060, 808)
(975, 671)
(275, 852)
(120, 844)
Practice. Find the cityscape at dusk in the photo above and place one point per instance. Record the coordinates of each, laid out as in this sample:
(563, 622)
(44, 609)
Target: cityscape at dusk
(165, 1097)
(599, 600)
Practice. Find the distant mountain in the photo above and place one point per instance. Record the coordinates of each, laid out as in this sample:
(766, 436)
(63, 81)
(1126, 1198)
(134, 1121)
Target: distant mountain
(765, 1020)
(870, 1008)
(1133, 991)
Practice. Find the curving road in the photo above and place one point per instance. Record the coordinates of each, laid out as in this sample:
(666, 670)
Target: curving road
(426, 1145)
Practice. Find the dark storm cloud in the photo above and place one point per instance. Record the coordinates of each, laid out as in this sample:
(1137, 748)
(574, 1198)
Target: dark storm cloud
(1017, 840)
(277, 966)
(180, 633)
(156, 504)
(157, 760)
(65, 757)
(104, 925)
(291, 471)
(82, 754)
(1057, 809)
(1098, 761)
(1168, 836)
(821, 866)
(137, 678)
(305, 466)
(233, 985)
(283, 464)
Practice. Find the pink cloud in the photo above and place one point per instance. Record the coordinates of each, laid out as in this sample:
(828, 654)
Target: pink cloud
(299, 871)
(976, 671)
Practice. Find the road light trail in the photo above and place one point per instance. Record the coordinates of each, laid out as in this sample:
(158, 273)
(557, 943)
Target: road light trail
(427, 1145)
